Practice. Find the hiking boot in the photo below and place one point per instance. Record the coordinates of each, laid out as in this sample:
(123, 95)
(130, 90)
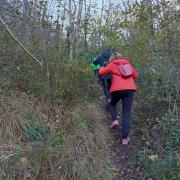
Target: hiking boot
(125, 141)
(114, 124)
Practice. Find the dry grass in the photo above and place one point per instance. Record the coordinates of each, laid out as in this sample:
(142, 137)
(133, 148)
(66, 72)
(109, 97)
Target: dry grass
(73, 146)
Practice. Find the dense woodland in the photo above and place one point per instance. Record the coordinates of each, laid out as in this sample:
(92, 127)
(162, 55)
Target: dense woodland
(48, 91)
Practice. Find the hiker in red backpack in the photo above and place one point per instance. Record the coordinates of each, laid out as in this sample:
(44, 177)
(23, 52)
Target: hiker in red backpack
(122, 87)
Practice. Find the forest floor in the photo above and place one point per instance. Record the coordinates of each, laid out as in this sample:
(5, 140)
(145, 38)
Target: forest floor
(123, 158)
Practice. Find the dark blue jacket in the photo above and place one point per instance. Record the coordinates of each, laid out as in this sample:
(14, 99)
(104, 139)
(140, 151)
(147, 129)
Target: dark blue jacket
(102, 60)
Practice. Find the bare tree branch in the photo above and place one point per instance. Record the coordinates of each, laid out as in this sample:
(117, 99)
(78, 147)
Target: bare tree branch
(13, 36)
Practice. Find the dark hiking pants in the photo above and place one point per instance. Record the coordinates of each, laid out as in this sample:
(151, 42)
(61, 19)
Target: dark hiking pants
(106, 84)
(127, 97)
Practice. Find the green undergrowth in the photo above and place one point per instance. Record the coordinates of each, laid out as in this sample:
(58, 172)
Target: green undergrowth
(158, 135)
(55, 82)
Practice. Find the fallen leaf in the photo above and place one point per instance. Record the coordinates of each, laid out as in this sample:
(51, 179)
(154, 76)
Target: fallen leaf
(24, 160)
(147, 143)
(153, 157)
(57, 120)
(115, 174)
(57, 116)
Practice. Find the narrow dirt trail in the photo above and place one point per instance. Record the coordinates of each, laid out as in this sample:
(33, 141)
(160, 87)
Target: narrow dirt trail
(123, 158)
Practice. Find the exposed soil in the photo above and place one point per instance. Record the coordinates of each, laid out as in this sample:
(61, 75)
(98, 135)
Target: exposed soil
(124, 159)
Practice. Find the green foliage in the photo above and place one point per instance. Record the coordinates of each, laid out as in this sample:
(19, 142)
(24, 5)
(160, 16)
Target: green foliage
(35, 131)
(161, 158)
(67, 80)
(80, 122)
(15, 158)
(162, 168)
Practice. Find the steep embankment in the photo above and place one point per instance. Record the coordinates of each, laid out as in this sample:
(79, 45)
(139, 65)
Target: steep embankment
(44, 141)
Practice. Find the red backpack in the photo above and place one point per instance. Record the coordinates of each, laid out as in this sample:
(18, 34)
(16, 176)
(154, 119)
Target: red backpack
(125, 70)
